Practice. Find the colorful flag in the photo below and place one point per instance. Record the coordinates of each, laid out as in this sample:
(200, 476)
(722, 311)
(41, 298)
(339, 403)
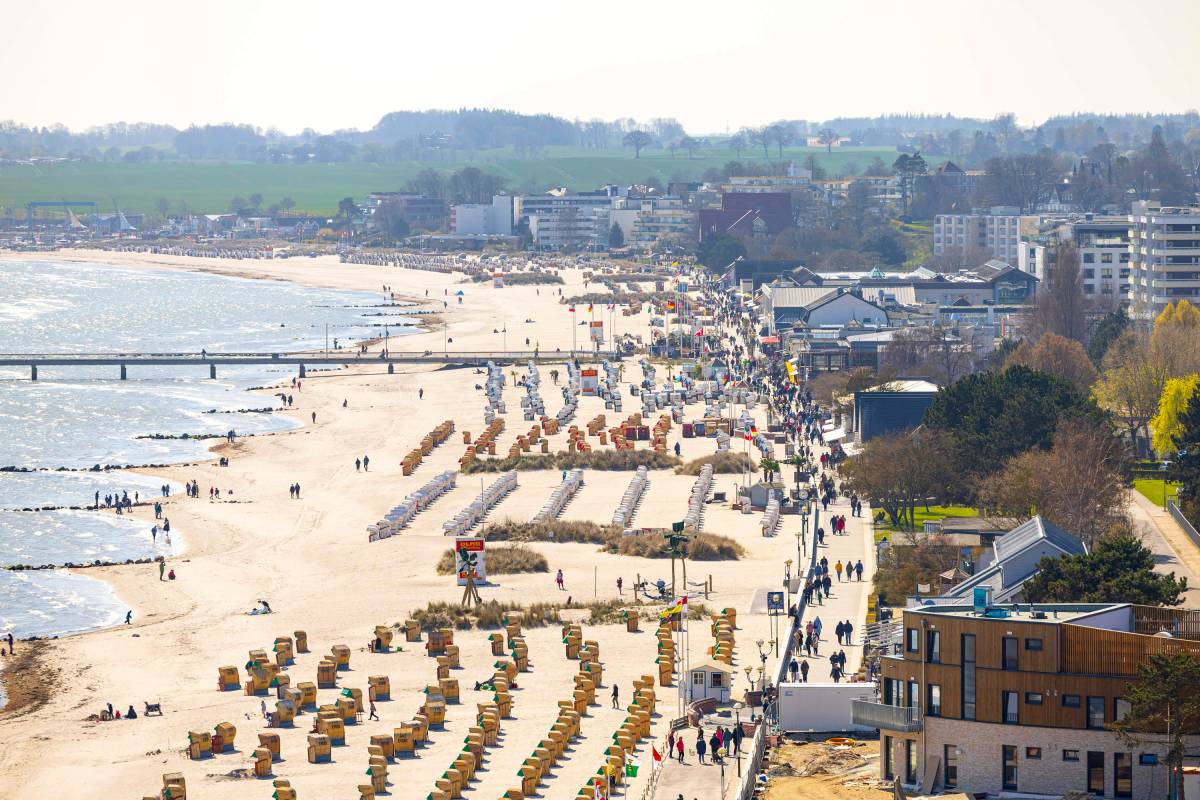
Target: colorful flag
(700, 332)
(571, 309)
(631, 768)
(589, 307)
(657, 755)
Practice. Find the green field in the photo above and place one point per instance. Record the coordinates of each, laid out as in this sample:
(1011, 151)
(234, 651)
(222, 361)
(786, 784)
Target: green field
(207, 187)
(923, 515)
(1152, 490)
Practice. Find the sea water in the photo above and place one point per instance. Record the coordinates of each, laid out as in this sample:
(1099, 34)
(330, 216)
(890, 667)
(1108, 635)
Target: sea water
(63, 430)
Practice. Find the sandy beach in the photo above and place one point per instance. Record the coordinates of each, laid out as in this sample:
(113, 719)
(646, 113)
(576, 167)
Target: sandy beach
(311, 559)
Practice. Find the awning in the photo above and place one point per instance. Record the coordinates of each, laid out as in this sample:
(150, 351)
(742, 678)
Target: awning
(770, 340)
(834, 435)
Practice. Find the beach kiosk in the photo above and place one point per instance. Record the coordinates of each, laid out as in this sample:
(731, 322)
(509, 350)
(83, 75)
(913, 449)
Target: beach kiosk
(709, 680)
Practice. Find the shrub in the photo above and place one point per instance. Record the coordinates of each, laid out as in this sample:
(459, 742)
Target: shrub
(723, 463)
(439, 614)
(700, 546)
(510, 560)
(519, 278)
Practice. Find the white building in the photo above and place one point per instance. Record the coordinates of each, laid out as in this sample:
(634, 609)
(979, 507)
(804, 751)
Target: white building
(1164, 246)
(495, 219)
(1104, 255)
(998, 232)
(561, 220)
(660, 217)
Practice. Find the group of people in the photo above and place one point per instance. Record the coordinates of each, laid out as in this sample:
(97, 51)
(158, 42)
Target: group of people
(121, 501)
(729, 739)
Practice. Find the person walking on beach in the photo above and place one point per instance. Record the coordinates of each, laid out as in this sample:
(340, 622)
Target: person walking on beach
(154, 534)
(615, 692)
(162, 568)
(373, 715)
(804, 671)
(620, 583)
(166, 527)
(366, 463)
(679, 748)
(558, 579)
(314, 417)
(701, 745)
(10, 644)
(421, 393)
(358, 465)
(838, 569)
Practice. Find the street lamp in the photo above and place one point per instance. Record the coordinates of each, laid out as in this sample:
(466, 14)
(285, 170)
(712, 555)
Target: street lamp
(749, 678)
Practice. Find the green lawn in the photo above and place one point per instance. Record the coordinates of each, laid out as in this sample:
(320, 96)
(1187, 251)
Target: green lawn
(1152, 489)
(922, 516)
(209, 186)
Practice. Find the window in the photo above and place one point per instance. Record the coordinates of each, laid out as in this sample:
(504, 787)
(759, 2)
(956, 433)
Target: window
(1070, 755)
(1106, 258)
(1089, 258)
(1095, 772)
(888, 774)
(1009, 709)
(1033, 698)
(933, 646)
(1010, 767)
(1120, 708)
(1033, 645)
(968, 676)
(914, 694)
(1009, 650)
(891, 697)
(698, 678)
(1123, 774)
(950, 770)
(914, 640)
(1148, 759)
(718, 680)
(1070, 701)
(910, 761)
(933, 701)
(1033, 753)
(1095, 712)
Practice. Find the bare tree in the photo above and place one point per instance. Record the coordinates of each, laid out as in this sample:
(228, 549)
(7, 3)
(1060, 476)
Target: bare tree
(1061, 306)
(1059, 356)
(827, 137)
(637, 140)
(944, 354)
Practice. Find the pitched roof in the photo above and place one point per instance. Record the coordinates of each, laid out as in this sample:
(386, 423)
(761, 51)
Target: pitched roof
(1016, 555)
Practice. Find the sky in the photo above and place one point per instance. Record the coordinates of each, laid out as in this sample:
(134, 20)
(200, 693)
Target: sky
(713, 65)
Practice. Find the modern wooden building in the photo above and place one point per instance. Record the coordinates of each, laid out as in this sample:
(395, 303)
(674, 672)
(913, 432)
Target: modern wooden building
(1015, 699)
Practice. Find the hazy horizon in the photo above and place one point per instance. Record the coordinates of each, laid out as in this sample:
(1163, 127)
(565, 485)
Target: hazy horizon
(294, 65)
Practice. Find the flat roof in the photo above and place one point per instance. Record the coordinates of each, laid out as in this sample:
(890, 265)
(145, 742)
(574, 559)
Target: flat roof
(1024, 612)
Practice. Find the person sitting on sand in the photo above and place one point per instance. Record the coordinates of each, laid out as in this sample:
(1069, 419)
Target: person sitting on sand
(131, 714)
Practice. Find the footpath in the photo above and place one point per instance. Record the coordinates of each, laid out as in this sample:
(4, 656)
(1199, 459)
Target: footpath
(848, 600)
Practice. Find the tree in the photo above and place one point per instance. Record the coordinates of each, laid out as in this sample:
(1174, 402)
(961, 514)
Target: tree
(236, 205)
(1131, 383)
(389, 219)
(1112, 326)
(1078, 484)
(737, 143)
(942, 353)
(256, 201)
(718, 250)
(1119, 569)
(760, 136)
(827, 137)
(1021, 180)
(908, 167)
(1060, 303)
(1059, 356)
(1186, 466)
(1173, 339)
(287, 203)
(637, 140)
(1163, 701)
(781, 133)
(901, 471)
(347, 210)
(690, 144)
(616, 236)
(994, 416)
(1167, 424)
(163, 206)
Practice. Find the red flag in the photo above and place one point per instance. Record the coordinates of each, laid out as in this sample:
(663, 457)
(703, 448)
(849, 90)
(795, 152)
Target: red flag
(700, 332)
(657, 755)
(589, 307)
(571, 309)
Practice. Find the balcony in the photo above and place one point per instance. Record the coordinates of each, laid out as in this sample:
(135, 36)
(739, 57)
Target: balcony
(890, 718)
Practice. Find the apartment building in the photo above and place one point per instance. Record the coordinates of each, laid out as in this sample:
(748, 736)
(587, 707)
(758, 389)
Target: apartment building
(563, 220)
(998, 231)
(419, 210)
(659, 218)
(1164, 247)
(1016, 698)
(1104, 255)
(489, 219)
